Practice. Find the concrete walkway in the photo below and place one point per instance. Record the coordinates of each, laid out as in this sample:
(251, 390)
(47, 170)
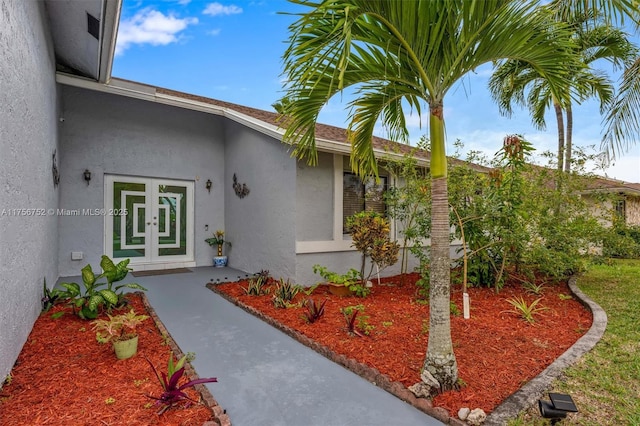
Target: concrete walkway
(264, 376)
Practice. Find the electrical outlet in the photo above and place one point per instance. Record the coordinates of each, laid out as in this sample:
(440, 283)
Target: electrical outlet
(76, 255)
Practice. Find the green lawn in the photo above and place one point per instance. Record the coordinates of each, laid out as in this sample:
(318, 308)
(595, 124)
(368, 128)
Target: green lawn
(605, 383)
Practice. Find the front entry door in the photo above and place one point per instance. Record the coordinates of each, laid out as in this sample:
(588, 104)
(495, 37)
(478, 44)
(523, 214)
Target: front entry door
(149, 221)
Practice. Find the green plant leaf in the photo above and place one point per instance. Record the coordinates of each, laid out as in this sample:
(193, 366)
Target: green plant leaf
(107, 264)
(132, 286)
(88, 277)
(73, 289)
(94, 302)
(109, 296)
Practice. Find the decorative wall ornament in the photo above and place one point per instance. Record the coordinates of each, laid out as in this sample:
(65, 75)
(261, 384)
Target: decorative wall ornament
(242, 190)
(54, 170)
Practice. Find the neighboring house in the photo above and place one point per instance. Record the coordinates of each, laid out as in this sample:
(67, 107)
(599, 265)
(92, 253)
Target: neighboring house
(623, 201)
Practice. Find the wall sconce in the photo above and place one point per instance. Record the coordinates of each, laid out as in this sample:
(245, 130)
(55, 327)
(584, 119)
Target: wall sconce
(208, 185)
(87, 176)
(557, 409)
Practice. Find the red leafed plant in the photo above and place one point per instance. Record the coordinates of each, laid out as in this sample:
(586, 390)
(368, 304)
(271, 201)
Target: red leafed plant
(172, 393)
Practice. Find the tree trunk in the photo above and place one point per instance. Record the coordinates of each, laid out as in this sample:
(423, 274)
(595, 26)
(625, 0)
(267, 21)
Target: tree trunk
(568, 146)
(440, 360)
(560, 121)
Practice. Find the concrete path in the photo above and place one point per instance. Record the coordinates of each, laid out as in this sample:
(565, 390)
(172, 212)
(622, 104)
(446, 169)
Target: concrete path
(265, 377)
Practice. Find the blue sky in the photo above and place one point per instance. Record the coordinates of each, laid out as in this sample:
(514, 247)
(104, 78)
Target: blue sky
(232, 50)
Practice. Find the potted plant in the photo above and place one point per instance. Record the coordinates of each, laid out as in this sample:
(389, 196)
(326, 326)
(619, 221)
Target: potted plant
(218, 240)
(342, 284)
(120, 330)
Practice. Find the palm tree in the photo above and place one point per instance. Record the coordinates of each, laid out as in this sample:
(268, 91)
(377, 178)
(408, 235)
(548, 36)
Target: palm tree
(517, 82)
(622, 124)
(399, 53)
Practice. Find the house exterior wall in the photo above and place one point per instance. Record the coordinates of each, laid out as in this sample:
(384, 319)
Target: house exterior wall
(109, 134)
(633, 211)
(314, 199)
(28, 139)
(261, 226)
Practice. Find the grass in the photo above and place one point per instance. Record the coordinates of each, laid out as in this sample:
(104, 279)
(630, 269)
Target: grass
(605, 383)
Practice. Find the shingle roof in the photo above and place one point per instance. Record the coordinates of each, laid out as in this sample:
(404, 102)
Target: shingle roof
(323, 131)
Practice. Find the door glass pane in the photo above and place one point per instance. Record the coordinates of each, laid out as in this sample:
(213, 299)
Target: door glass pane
(172, 220)
(129, 230)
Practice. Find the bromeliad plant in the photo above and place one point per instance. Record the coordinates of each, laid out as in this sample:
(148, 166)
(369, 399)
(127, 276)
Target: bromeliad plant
(87, 304)
(526, 310)
(172, 392)
(315, 311)
(49, 297)
(284, 293)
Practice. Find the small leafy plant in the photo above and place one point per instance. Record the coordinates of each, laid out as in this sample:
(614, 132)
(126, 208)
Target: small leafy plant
(118, 327)
(533, 288)
(87, 304)
(526, 310)
(314, 311)
(49, 297)
(173, 393)
(284, 293)
(258, 285)
(351, 279)
(361, 327)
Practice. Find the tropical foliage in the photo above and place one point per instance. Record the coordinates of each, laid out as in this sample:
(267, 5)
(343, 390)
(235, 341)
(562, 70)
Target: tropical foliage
(386, 50)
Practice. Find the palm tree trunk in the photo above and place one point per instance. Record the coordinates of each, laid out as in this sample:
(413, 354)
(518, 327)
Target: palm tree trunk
(440, 360)
(568, 147)
(560, 120)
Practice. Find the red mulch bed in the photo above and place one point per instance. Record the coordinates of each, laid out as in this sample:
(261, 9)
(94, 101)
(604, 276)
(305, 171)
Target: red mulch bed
(63, 376)
(497, 351)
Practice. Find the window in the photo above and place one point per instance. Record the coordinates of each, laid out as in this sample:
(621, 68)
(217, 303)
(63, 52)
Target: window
(358, 196)
(621, 207)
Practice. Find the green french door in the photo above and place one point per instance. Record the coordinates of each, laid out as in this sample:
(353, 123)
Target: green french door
(149, 221)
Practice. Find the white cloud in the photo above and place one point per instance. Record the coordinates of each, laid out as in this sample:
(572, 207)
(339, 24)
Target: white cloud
(150, 27)
(215, 9)
(184, 2)
(214, 32)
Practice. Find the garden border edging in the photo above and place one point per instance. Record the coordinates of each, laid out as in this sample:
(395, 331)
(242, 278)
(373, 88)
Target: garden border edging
(533, 390)
(220, 417)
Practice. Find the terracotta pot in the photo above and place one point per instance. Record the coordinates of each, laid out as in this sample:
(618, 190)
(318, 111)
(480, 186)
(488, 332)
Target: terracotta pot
(339, 290)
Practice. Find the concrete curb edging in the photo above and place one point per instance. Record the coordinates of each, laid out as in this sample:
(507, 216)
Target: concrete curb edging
(370, 374)
(220, 418)
(533, 390)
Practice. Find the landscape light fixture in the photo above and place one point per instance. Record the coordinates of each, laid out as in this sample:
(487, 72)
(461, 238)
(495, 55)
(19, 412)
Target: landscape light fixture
(557, 409)
(208, 185)
(87, 176)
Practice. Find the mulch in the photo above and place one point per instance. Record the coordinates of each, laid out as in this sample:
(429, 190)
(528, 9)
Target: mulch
(63, 376)
(497, 352)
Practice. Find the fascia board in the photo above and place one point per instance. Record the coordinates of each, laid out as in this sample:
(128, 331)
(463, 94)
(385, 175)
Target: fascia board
(110, 21)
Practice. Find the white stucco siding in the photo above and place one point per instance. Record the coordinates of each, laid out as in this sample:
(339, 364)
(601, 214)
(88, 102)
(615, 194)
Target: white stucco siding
(109, 134)
(28, 139)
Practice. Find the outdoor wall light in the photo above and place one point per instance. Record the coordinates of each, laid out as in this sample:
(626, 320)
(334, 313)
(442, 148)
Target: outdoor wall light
(208, 185)
(557, 409)
(87, 176)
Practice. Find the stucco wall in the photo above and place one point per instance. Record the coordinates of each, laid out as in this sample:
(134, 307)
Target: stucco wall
(314, 195)
(260, 226)
(110, 134)
(633, 211)
(28, 139)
